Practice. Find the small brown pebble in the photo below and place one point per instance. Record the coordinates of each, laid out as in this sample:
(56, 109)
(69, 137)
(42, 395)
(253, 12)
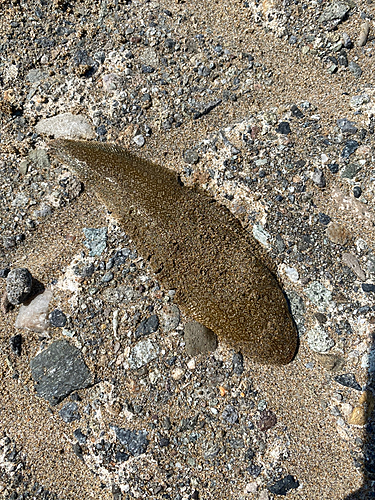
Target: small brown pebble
(362, 412)
(267, 420)
(331, 362)
(337, 234)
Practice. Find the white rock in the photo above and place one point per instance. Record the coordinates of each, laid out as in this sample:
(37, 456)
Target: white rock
(292, 274)
(34, 315)
(177, 373)
(139, 140)
(261, 235)
(66, 125)
(319, 340)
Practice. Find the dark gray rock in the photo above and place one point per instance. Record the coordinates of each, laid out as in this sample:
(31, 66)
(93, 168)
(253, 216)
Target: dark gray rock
(57, 318)
(15, 343)
(80, 437)
(282, 486)
(318, 178)
(136, 442)
(58, 371)
(199, 339)
(147, 326)
(347, 126)
(19, 284)
(348, 380)
(349, 148)
(350, 171)
(283, 128)
(69, 413)
(237, 362)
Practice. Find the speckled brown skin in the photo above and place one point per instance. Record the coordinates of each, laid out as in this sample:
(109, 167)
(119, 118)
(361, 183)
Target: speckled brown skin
(194, 245)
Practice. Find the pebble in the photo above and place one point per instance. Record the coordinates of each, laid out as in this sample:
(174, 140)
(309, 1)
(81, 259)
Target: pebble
(142, 353)
(357, 191)
(40, 159)
(191, 156)
(261, 235)
(284, 485)
(324, 219)
(283, 128)
(347, 126)
(348, 380)
(363, 35)
(147, 326)
(368, 287)
(58, 371)
(319, 340)
(96, 240)
(18, 285)
(362, 412)
(267, 420)
(230, 414)
(15, 343)
(292, 274)
(69, 413)
(319, 295)
(352, 262)
(350, 171)
(199, 339)
(331, 362)
(318, 178)
(139, 140)
(169, 317)
(57, 318)
(66, 125)
(33, 316)
(350, 147)
(136, 442)
(355, 69)
(337, 234)
(237, 363)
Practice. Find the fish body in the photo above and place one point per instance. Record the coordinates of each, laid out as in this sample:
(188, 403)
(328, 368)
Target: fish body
(194, 245)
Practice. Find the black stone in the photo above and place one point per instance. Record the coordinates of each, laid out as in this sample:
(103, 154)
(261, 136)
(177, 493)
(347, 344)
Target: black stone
(15, 343)
(249, 454)
(283, 128)
(334, 168)
(296, 112)
(163, 442)
(58, 371)
(348, 380)
(101, 130)
(282, 486)
(4, 272)
(357, 191)
(368, 287)
(147, 326)
(57, 318)
(324, 219)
